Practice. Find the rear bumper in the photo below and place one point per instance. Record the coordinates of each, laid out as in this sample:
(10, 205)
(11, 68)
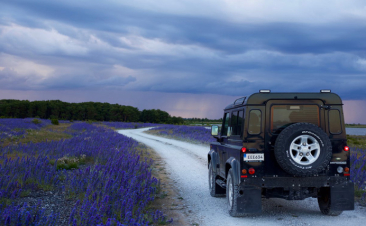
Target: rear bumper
(295, 182)
(252, 190)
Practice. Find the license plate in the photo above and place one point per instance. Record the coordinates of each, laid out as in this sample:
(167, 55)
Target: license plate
(254, 157)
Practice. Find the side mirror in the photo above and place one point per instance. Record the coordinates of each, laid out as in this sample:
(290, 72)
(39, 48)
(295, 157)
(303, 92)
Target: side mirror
(214, 130)
(229, 131)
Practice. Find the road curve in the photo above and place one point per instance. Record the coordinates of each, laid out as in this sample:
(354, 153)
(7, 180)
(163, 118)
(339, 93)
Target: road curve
(187, 164)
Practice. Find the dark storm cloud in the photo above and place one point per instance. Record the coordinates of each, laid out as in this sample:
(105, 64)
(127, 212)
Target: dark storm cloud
(105, 44)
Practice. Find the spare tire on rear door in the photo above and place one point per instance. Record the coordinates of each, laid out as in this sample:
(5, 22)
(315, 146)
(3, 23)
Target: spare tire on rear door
(303, 149)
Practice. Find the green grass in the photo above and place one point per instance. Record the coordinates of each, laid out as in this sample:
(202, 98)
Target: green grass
(47, 133)
(356, 141)
(355, 125)
(203, 123)
(69, 163)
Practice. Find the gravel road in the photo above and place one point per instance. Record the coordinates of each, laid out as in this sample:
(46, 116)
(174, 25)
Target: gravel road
(188, 166)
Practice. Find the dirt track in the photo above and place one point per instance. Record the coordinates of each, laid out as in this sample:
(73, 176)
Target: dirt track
(188, 166)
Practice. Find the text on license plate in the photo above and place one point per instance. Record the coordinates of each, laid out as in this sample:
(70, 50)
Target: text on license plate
(253, 157)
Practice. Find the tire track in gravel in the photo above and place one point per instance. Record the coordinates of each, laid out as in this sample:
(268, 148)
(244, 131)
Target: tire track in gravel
(187, 164)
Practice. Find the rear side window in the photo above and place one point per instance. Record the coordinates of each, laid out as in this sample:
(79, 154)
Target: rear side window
(240, 122)
(335, 126)
(283, 115)
(255, 121)
(236, 122)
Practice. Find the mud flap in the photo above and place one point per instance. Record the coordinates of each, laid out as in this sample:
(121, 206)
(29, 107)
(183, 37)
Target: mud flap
(250, 200)
(342, 197)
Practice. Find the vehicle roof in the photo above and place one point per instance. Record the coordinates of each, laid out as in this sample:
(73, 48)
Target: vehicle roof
(261, 98)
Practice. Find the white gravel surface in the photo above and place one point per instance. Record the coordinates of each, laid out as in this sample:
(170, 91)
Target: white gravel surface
(188, 166)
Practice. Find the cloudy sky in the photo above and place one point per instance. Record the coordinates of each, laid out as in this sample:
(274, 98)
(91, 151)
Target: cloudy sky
(188, 57)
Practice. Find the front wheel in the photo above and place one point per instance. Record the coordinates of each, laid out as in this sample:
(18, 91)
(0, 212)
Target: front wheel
(325, 204)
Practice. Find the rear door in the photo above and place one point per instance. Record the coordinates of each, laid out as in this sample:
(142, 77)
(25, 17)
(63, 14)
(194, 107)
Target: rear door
(282, 113)
(231, 145)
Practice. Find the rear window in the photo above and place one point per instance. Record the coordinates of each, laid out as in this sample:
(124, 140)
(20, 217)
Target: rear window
(283, 115)
(255, 122)
(335, 126)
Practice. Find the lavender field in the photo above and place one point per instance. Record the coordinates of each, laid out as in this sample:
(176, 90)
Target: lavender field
(96, 177)
(12, 128)
(203, 136)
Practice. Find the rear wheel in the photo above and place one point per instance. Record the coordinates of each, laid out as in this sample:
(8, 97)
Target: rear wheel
(325, 204)
(232, 194)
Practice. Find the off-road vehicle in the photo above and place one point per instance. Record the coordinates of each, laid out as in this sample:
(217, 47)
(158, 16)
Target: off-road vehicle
(282, 145)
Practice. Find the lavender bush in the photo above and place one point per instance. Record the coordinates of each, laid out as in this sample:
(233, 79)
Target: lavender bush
(191, 133)
(12, 128)
(358, 171)
(112, 184)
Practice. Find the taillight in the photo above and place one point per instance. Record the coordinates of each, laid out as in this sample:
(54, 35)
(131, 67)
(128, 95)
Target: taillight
(346, 169)
(346, 148)
(244, 171)
(251, 171)
(243, 149)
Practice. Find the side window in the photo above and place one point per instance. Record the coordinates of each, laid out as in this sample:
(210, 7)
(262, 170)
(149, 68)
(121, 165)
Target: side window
(240, 122)
(255, 121)
(234, 122)
(335, 126)
(225, 124)
(237, 122)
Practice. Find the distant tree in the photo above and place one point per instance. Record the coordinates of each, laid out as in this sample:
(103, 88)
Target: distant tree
(83, 111)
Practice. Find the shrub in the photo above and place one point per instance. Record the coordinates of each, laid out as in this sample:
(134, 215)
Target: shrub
(54, 121)
(36, 121)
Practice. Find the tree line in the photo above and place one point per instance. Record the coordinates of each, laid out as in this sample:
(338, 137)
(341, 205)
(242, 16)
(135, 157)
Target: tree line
(95, 111)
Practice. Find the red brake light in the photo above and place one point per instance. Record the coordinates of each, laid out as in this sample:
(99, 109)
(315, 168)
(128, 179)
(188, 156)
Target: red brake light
(346, 148)
(243, 149)
(251, 171)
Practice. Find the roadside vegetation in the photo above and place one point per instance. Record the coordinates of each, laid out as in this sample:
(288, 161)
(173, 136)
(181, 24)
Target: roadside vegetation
(74, 174)
(202, 121)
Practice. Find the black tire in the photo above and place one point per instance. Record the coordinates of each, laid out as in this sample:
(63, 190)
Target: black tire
(215, 189)
(325, 204)
(299, 161)
(233, 203)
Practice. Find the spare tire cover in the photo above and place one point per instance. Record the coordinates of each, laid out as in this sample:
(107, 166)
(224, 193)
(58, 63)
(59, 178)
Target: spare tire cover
(303, 149)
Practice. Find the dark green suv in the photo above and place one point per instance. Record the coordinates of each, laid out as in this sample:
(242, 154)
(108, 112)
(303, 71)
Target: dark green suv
(282, 145)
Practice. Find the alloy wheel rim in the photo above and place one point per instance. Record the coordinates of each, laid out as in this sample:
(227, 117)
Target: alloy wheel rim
(304, 150)
(210, 178)
(231, 193)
